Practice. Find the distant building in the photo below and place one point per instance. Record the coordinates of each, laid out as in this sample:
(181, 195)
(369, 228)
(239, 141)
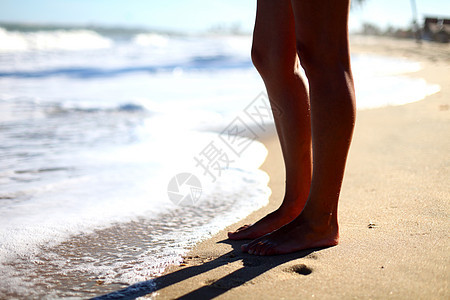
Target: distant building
(436, 29)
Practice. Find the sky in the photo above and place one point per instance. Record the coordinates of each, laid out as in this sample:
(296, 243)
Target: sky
(194, 15)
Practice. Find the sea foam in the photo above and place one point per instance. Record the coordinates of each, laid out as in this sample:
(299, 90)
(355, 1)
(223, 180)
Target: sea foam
(73, 40)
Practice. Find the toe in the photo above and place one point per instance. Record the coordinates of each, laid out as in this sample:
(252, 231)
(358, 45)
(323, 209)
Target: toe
(244, 227)
(258, 248)
(231, 234)
(253, 247)
(250, 247)
(265, 249)
(239, 233)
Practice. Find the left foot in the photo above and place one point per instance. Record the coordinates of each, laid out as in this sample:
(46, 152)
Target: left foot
(294, 236)
(266, 225)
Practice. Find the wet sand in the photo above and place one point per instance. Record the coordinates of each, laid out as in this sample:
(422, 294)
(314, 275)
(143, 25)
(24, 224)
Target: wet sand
(393, 212)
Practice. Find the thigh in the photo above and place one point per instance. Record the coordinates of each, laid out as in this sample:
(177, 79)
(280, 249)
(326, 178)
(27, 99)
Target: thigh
(274, 32)
(321, 29)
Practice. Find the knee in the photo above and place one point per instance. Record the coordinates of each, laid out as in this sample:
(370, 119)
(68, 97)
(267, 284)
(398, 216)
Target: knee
(322, 61)
(273, 63)
(259, 58)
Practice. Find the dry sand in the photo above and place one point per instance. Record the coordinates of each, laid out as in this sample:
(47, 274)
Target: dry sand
(394, 211)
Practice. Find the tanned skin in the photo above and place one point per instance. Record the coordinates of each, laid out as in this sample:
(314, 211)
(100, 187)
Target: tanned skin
(315, 128)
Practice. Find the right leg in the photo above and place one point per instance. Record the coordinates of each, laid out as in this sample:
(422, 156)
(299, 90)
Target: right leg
(274, 55)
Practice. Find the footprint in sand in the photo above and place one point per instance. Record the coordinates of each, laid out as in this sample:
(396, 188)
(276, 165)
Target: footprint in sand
(301, 269)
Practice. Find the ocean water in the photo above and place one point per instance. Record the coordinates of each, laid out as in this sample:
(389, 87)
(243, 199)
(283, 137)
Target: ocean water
(103, 134)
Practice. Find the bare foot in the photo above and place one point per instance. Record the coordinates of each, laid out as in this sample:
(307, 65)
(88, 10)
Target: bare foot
(269, 223)
(295, 236)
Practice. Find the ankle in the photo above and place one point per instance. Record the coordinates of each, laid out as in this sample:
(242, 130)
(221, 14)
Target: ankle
(294, 198)
(320, 221)
(291, 208)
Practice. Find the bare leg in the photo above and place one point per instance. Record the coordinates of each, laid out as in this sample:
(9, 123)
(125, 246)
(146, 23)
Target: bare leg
(322, 44)
(275, 57)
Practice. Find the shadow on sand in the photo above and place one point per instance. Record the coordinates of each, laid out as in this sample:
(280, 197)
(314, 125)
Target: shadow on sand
(253, 266)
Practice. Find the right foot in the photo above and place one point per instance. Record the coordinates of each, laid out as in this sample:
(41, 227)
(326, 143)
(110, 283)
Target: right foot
(266, 225)
(295, 236)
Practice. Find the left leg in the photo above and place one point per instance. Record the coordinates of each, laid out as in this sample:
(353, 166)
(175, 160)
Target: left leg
(275, 57)
(322, 45)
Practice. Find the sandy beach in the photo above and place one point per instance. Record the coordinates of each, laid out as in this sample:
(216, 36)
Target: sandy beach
(393, 210)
